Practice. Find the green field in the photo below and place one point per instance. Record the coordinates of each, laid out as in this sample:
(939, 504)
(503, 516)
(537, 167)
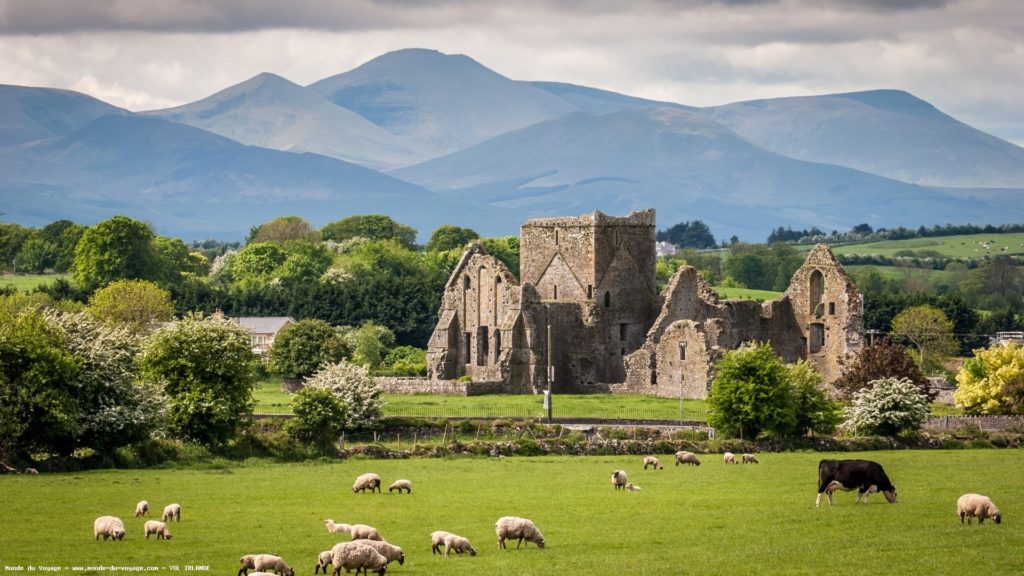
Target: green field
(712, 519)
(967, 246)
(26, 282)
(746, 294)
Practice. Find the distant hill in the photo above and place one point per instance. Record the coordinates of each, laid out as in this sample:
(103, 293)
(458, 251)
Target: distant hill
(30, 114)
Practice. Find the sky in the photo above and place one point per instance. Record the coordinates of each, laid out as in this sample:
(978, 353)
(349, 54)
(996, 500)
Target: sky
(966, 57)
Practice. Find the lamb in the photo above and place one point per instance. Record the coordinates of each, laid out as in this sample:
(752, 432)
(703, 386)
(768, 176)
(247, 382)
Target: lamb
(459, 544)
(401, 485)
(158, 528)
(264, 562)
(750, 459)
(977, 506)
(172, 511)
(652, 461)
(632, 487)
(334, 528)
(729, 458)
(366, 481)
(619, 479)
(324, 560)
(437, 540)
(521, 528)
(108, 527)
(683, 457)
(390, 551)
(357, 531)
(349, 555)
(142, 509)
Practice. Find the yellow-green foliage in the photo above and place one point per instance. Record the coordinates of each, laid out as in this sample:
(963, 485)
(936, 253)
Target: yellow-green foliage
(992, 382)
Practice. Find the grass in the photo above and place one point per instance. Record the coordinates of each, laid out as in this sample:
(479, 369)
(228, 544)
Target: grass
(933, 277)
(746, 294)
(27, 282)
(712, 519)
(966, 246)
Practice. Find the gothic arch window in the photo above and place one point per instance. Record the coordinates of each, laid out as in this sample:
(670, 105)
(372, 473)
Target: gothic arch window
(817, 291)
(465, 282)
(607, 299)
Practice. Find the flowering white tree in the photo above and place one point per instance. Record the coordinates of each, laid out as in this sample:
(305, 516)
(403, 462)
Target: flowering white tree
(887, 407)
(355, 389)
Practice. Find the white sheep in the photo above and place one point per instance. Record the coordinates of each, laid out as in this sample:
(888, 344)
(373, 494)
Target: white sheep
(437, 540)
(263, 563)
(520, 528)
(459, 544)
(401, 485)
(632, 487)
(108, 527)
(750, 459)
(364, 532)
(684, 457)
(142, 508)
(977, 506)
(158, 528)
(324, 560)
(349, 555)
(729, 458)
(335, 528)
(390, 551)
(172, 512)
(366, 481)
(652, 461)
(619, 479)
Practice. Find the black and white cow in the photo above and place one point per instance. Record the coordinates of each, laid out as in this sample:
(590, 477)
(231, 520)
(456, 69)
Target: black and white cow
(864, 475)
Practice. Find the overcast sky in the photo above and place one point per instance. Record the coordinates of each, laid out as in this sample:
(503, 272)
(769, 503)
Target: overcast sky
(965, 57)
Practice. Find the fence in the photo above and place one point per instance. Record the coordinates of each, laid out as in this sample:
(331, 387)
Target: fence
(659, 415)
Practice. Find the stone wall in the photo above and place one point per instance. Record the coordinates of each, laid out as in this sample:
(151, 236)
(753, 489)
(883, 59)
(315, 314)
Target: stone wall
(985, 423)
(424, 385)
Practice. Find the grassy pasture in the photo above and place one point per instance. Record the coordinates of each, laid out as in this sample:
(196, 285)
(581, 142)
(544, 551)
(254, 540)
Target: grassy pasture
(712, 519)
(966, 246)
(26, 282)
(746, 294)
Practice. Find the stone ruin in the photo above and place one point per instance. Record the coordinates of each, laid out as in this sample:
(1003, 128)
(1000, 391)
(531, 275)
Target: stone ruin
(590, 283)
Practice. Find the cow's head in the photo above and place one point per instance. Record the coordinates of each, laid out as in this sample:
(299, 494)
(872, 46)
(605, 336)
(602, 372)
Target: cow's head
(890, 495)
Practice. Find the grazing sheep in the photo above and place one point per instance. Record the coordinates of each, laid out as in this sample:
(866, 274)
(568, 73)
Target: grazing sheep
(652, 461)
(459, 544)
(977, 506)
(364, 532)
(108, 527)
(750, 459)
(390, 551)
(619, 479)
(683, 457)
(632, 487)
(349, 555)
(521, 528)
(401, 485)
(334, 528)
(366, 481)
(729, 458)
(437, 540)
(263, 563)
(172, 511)
(324, 560)
(32, 471)
(158, 528)
(142, 509)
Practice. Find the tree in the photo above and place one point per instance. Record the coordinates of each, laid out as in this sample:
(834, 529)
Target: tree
(448, 237)
(928, 329)
(371, 226)
(405, 361)
(992, 382)
(814, 411)
(355, 390)
(888, 407)
(37, 255)
(506, 249)
(65, 234)
(284, 229)
(12, 236)
(750, 393)
(370, 344)
(320, 417)
(882, 359)
(134, 304)
(300, 349)
(256, 263)
(688, 234)
(207, 369)
(115, 249)
(305, 262)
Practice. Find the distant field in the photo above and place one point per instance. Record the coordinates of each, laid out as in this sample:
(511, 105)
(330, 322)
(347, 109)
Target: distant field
(746, 294)
(933, 277)
(967, 246)
(26, 282)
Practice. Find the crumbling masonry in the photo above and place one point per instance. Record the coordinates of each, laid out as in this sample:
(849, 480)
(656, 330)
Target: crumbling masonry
(591, 280)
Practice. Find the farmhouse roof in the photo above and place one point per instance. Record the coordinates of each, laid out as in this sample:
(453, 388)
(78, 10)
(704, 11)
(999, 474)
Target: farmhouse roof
(264, 324)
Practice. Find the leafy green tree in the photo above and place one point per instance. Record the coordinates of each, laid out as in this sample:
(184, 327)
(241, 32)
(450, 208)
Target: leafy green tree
(888, 407)
(928, 329)
(405, 361)
(449, 237)
(882, 359)
(173, 259)
(285, 229)
(207, 369)
(300, 349)
(370, 344)
(506, 249)
(992, 382)
(320, 417)
(355, 390)
(37, 255)
(116, 249)
(134, 304)
(12, 236)
(688, 234)
(65, 234)
(256, 263)
(371, 226)
(751, 394)
(813, 409)
(305, 262)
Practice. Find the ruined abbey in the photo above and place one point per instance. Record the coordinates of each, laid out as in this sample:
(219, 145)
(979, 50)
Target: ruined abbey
(589, 282)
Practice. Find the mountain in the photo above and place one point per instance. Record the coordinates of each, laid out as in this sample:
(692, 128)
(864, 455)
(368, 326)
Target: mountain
(29, 114)
(686, 166)
(886, 132)
(194, 184)
(270, 111)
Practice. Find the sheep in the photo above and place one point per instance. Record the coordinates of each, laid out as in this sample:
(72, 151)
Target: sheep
(357, 531)
(31, 471)
(401, 485)
(619, 479)
(683, 457)
(142, 508)
(324, 560)
(349, 555)
(729, 458)
(390, 551)
(334, 528)
(108, 527)
(172, 512)
(158, 528)
(521, 528)
(632, 487)
(366, 481)
(977, 506)
(437, 540)
(652, 461)
(459, 544)
(264, 562)
(750, 459)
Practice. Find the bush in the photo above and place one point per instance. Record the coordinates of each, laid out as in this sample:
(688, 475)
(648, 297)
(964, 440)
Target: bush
(355, 390)
(889, 407)
(319, 417)
(751, 393)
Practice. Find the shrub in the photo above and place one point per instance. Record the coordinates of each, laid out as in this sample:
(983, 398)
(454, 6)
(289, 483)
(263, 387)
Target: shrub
(751, 393)
(355, 390)
(319, 417)
(889, 407)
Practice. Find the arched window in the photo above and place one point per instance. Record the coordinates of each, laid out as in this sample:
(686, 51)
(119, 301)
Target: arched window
(607, 299)
(817, 291)
(465, 282)
(497, 345)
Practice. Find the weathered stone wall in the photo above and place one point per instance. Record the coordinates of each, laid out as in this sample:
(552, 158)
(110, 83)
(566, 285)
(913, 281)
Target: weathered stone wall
(985, 423)
(424, 385)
